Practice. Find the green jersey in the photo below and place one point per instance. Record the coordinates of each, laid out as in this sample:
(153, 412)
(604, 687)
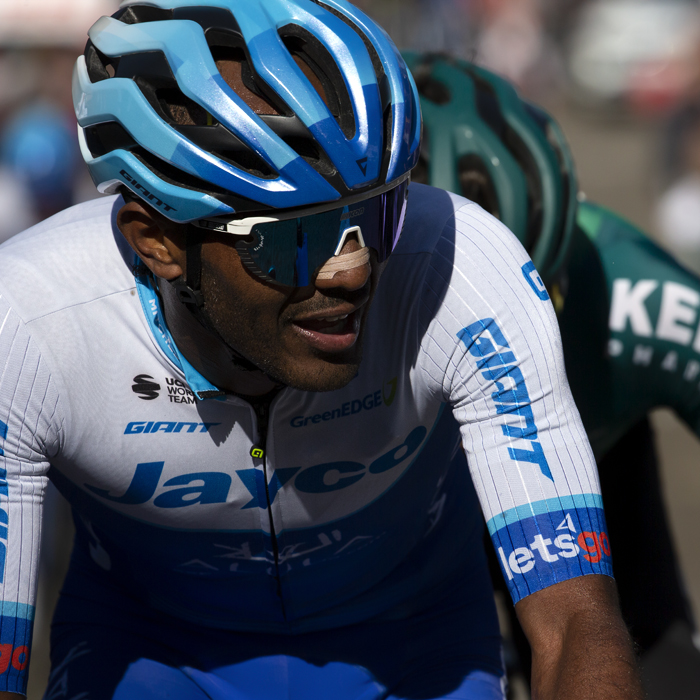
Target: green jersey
(629, 326)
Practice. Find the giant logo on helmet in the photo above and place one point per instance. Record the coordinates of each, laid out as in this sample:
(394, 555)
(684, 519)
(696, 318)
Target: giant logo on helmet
(146, 194)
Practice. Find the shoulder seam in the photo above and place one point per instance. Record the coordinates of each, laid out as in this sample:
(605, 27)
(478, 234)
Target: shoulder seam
(80, 303)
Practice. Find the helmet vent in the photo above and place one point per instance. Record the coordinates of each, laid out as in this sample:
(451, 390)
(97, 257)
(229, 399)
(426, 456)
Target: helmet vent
(151, 72)
(385, 92)
(321, 70)
(488, 107)
(106, 137)
(99, 66)
(432, 89)
(314, 156)
(249, 161)
(541, 120)
(135, 14)
(295, 134)
(228, 50)
(148, 65)
(236, 72)
(374, 56)
(476, 184)
(421, 173)
(209, 18)
(489, 110)
(181, 110)
(174, 176)
(388, 119)
(219, 141)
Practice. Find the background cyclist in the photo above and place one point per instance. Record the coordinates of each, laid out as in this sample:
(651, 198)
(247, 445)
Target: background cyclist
(619, 301)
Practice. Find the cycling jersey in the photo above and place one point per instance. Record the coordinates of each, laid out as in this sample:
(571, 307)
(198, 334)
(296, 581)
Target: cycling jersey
(321, 509)
(630, 320)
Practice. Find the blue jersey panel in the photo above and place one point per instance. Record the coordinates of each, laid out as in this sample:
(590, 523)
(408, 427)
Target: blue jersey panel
(551, 546)
(15, 643)
(450, 649)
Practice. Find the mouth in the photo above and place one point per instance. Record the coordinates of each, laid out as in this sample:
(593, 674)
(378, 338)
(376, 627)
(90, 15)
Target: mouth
(333, 332)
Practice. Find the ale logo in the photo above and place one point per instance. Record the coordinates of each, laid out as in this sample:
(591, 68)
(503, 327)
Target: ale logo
(391, 384)
(257, 452)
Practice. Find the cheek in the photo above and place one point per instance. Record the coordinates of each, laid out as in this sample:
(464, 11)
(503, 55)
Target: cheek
(235, 299)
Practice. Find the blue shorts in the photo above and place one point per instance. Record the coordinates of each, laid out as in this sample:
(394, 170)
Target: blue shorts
(113, 646)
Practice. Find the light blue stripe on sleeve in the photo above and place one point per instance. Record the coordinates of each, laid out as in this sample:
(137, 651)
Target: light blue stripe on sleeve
(150, 304)
(583, 500)
(21, 611)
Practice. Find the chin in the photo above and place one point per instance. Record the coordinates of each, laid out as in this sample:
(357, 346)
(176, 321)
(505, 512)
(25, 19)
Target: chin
(317, 374)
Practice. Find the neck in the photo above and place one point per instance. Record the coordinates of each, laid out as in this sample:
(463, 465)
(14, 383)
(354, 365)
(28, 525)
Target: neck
(206, 352)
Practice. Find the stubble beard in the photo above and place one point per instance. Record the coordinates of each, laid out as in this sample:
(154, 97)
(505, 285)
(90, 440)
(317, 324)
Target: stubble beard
(236, 326)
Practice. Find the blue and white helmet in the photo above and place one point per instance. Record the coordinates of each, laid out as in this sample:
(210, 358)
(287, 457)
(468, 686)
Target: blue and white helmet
(323, 107)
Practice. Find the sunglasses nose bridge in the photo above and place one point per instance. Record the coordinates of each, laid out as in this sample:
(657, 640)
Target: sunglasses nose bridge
(344, 263)
(352, 230)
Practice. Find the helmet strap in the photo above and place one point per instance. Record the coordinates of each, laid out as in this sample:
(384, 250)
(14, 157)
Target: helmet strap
(187, 286)
(188, 291)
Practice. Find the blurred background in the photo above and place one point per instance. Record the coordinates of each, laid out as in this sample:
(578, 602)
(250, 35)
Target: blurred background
(621, 76)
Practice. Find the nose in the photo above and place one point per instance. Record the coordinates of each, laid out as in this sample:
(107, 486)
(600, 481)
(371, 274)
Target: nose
(349, 270)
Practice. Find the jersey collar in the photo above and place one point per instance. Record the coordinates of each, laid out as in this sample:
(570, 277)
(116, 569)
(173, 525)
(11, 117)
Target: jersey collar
(150, 303)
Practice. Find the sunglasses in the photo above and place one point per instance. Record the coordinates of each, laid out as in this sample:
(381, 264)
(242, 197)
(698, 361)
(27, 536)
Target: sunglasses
(290, 250)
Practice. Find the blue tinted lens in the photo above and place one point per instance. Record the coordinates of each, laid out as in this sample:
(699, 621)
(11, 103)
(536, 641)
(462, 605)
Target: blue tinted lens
(382, 221)
(291, 252)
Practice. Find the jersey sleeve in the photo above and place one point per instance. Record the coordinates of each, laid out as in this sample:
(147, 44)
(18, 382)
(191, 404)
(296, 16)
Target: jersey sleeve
(28, 413)
(495, 344)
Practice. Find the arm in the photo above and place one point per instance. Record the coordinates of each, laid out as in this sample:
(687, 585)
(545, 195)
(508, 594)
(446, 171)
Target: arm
(29, 425)
(536, 478)
(581, 648)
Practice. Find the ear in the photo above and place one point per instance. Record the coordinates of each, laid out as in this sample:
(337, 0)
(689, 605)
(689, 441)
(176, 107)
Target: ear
(158, 241)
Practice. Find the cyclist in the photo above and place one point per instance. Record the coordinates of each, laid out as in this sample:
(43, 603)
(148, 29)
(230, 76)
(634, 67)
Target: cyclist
(271, 500)
(627, 313)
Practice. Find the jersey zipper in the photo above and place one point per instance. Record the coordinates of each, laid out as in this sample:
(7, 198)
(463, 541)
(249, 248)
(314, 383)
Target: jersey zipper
(259, 451)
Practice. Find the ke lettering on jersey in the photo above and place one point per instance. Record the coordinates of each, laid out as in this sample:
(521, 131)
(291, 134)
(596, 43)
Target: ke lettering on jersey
(676, 322)
(485, 341)
(561, 538)
(678, 312)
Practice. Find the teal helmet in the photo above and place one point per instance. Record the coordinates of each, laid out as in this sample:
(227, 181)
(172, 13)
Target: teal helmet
(482, 141)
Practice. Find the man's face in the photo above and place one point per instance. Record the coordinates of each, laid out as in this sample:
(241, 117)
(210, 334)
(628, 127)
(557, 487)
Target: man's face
(309, 338)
